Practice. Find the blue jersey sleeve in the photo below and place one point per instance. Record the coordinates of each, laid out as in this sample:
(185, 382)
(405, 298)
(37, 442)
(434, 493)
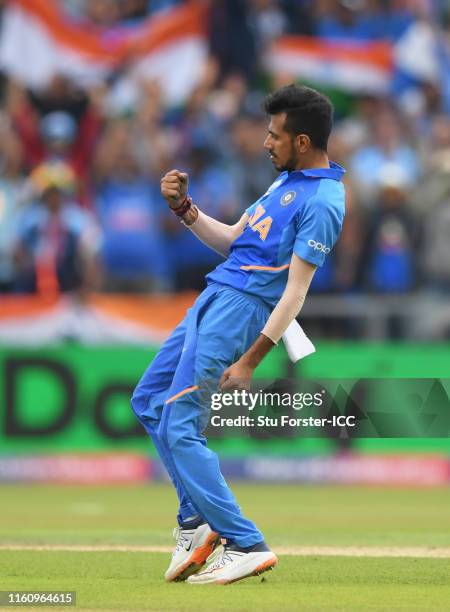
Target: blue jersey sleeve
(318, 227)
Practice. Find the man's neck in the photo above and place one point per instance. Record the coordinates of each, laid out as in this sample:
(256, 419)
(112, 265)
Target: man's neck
(315, 159)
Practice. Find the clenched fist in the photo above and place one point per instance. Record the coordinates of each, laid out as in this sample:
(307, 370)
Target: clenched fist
(174, 187)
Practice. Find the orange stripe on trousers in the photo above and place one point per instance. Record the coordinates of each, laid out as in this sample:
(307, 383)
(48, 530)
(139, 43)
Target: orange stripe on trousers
(181, 393)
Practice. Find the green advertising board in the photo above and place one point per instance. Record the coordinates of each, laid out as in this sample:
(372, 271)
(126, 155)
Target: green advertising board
(75, 398)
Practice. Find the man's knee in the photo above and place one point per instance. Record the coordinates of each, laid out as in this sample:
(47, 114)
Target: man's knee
(145, 406)
(147, 416)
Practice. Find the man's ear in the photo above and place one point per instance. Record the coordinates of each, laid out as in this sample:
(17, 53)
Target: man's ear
(303, 143)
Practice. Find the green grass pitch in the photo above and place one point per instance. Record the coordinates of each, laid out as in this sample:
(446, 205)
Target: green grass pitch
(375, 519)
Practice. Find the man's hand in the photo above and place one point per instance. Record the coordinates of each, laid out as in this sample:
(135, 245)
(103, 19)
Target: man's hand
(174, 187)
(237, 376)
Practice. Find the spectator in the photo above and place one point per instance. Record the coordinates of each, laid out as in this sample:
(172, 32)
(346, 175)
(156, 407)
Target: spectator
(12, 196)
(392, 237)
(349, 250)
(355, 130)
(117, 162)
(268, 21)
(232, 40)
(436, 252)
(432, 201)
(389, 147)
(134, 253)
(56, 240)
(155, 140)
(61, 123)
(196, 122)
(363, 20)
(225, 101)
(348, 21)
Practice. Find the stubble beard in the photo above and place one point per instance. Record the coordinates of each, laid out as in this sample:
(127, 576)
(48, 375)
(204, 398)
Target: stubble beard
(291, 163)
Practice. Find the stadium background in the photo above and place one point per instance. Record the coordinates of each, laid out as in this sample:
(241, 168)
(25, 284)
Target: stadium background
(98, 99)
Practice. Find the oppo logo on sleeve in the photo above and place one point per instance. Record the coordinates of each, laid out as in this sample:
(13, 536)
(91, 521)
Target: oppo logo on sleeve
(318, 246)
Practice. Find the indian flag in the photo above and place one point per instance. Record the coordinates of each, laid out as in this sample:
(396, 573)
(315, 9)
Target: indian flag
(39, 40)
(354, 66)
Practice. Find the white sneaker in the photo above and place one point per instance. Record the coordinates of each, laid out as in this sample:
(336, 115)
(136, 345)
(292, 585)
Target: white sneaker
(192, 549)
(232, 565)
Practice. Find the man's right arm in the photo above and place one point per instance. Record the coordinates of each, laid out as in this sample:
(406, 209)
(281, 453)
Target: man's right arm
(218, 236)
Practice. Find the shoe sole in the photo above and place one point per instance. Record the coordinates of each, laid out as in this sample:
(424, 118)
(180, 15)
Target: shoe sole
(197, 560)
(264, 567)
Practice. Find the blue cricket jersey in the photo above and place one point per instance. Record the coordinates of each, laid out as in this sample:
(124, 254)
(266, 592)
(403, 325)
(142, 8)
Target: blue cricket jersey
(302, 212)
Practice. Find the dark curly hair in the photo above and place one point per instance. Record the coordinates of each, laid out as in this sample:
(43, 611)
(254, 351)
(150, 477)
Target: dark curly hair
(307, 112)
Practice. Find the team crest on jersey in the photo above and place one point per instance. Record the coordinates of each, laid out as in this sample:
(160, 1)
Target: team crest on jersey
(287, 198)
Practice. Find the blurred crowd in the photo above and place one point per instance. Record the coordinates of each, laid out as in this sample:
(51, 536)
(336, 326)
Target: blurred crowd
(80, 207)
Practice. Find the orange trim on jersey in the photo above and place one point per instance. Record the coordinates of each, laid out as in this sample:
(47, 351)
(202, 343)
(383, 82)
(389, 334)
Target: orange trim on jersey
(181, 393)
(266, 268)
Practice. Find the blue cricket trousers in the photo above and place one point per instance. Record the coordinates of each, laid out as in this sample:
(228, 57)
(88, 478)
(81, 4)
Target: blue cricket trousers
(221, 325)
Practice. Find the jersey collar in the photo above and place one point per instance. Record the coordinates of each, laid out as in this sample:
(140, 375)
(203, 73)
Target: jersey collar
(335, 172)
